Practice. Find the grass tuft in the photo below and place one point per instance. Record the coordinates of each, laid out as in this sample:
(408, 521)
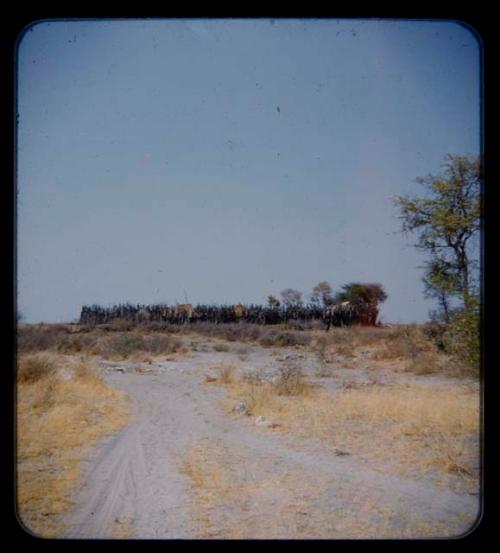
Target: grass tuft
(35, 367)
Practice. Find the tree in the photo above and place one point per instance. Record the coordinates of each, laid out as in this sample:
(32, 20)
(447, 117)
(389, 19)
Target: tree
(440, 282)
(358, 292)
(447, 222)
(273, 301)
(322, 293)
(291, 297)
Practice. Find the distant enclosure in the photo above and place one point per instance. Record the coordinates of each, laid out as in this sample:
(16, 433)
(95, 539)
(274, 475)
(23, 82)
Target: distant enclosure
(340, 315)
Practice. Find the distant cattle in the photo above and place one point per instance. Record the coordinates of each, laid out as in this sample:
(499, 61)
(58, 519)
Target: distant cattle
(142, 316)
(239, 310)
(347, 314)
(183, 312)
(340, 314)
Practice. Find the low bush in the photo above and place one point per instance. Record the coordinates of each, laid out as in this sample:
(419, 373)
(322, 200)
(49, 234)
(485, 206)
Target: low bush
(161, 344)
(221, 348)
(435, 332)
(120, 325)
(31, 338)
(425, 363)
(126, 343)
(277, 338)
(462, 337)
(35, 367)
(290, 381)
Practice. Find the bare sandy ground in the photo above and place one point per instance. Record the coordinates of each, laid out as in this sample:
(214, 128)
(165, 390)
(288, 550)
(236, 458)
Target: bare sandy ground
(134, 485)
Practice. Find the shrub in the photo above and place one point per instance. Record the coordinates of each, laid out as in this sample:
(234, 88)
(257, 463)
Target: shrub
(161, 343)
(226, 374)
(120, 325)
(33, 368)
(290, 381)
(283, 339)
(84, 371)
(322, 354)
(125, 344)
(31, 338)
(435, 332)
(461, 338)
(425, 363)
(409, 341)
(76, 343)
(220, 348)
(324, 371)
(158, 326)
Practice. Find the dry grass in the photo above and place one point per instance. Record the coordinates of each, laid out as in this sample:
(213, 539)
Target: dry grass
(123, 528)
(414, 429)
(410, 347)
(290, 381)
(56, 420)
(221, 348)
(35, 367)
(240, 493)
(226, 374)
(114, 341)
(275, 336)
(234, 498)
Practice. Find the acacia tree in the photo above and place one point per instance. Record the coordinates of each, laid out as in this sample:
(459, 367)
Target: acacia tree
(322, 293)
(440, 282)
(447, 223)
(291, 297)
(272, 301)
(358, 292)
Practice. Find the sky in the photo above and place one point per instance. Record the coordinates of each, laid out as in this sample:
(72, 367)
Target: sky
(220, 161)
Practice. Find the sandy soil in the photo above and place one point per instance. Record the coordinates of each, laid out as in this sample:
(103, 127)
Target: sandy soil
(135, 485)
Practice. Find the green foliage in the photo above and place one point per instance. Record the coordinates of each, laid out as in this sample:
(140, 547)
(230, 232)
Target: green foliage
(446, 221)
(272, 301)
(440, 281)
(461, 338)
(357, 292)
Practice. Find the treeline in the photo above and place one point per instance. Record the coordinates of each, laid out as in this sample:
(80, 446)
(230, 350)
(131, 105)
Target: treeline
(185, 313)
(357, 303)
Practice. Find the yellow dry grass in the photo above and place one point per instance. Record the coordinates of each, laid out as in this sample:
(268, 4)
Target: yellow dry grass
(123, 528)
(238, 494)
(57, 419)
(223, 374)
(403, 348)
(410, 428)
(235, 499)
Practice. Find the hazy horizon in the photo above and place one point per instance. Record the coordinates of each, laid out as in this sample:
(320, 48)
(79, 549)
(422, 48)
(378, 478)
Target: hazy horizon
(226, 160)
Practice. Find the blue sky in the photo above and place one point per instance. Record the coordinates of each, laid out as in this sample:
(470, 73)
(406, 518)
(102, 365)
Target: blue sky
(225, 160)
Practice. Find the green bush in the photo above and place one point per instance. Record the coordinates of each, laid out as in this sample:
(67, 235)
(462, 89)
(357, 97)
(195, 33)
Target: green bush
(462, 338)
(435, 331)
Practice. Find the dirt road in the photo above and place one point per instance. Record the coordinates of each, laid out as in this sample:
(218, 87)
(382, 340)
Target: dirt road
(134, 485)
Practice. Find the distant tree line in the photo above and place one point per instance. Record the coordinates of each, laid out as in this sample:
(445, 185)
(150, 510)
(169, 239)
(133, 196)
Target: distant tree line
(356, 304)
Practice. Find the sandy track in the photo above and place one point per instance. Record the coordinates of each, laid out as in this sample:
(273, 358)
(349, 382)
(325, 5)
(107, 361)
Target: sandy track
(134, 486)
